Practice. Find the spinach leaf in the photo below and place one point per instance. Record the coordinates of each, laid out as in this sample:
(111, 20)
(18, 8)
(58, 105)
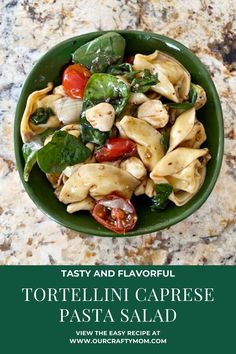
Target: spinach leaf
(193, 93)
(43, 136)
(119, 69)
(102, 88)
(41, 115)
(106, 88)
(90, 134)
(30, 151)
(165, 140)
(160, 200)
(144, 82)
(101, 52)
(63, 150)
(124, 69)
(192, 96)
(181, 105)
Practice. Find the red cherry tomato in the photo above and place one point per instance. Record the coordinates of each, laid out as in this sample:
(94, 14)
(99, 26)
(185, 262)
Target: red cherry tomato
(74, 80)
(115, 149)
(115, 213)
(129, 59)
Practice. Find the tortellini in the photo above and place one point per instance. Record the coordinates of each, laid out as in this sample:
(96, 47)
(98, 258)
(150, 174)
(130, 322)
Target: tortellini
(196, 137)
(97, 180)
(185, 179)
(73, 129)
(148, 139)
(176, 160)
(181, 196)
(138, 98)
(174, 79)
(65, 110)
(85, 204)
(185, 174)
(134, 166)
(187, 131)
(181, 128)
(150, 188)
(28, 130)
(153, 112)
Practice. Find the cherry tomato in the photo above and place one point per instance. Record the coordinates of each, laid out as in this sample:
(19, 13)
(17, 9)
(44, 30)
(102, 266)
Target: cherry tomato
(129, 59)
(115, 213)
(74, 80)
(115, 149)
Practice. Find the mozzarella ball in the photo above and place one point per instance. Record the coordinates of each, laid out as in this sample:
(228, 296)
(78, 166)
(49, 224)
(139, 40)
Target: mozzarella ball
(101, 116)
(154, 113)
(134, 166)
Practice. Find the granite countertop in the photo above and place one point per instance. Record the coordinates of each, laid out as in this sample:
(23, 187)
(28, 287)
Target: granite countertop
(29, 29)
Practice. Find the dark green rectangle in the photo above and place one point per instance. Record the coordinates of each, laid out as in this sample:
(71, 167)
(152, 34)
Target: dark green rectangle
(35, 327)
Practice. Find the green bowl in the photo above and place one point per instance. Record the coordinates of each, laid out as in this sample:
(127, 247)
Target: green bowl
(50, 67)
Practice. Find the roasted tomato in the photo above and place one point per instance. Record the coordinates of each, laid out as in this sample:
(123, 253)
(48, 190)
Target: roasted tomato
(115, 149)
(115, 213)
(74, 80)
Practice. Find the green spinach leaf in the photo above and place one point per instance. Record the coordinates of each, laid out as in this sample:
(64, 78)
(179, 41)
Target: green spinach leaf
(165, 140)
(180, 105)
(102, 88)
(90, 134)
(63, 150)
(193, 93)
(30, 151)
(41, 115)
(119, 69)
(124, 69)
(43, 136)
(101, 52)
(192, 96)
(160, 200)
(144, 82)
(106, 88)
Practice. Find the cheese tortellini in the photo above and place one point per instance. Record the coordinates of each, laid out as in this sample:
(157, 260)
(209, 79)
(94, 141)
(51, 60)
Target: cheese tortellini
(174, 79)
(97, 180)
(148, 140)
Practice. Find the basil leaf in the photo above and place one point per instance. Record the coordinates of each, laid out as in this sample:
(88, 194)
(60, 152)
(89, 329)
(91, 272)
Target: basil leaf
(144, 82)
(63, 150)
(165, 140)
(30, 151)
(102, 88)
(101, 52)
(160, 200)
(41, 115)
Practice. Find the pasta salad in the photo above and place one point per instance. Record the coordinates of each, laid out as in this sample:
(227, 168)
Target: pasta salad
(117, 126)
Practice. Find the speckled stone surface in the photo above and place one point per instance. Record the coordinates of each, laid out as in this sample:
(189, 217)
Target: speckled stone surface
(28, 30)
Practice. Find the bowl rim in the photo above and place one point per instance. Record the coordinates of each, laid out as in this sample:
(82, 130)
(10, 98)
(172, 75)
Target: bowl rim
(148, 229)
